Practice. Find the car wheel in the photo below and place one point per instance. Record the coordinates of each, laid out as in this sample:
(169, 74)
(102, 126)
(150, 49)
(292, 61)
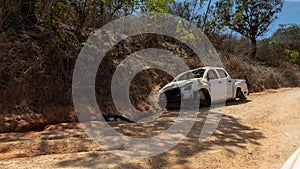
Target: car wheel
(240, 94)
(205, 100)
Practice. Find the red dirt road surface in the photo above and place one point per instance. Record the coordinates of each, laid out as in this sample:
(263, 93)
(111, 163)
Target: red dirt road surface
(262, 132)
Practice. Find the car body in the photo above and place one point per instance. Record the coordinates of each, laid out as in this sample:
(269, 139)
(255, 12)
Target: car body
(209, 84)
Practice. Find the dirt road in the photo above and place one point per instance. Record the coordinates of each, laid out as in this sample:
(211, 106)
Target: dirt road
(259, 133)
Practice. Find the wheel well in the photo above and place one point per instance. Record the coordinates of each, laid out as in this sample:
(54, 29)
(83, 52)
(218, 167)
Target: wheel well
(205, 91)
(207, 99)
(240, 94)
(237, 90)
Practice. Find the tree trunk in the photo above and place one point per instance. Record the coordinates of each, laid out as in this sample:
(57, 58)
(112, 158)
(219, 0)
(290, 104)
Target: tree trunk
(253, 47)
(206, 14)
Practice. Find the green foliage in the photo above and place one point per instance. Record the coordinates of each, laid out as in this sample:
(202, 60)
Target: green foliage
(191, 10)
(183, 33)
(289, 38)
(291, 55)
(92, 14)
(284, 45)
(250, 18)
(289, 35)
(247, 17)
(161, 6)
(202, 13)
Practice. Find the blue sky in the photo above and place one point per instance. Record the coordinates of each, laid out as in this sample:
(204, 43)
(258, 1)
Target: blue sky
(289, 14)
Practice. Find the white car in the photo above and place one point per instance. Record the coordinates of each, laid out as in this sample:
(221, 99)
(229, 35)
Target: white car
(209, 84)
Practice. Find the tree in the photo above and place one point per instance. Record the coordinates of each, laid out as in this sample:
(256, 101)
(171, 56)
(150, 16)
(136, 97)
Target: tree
(195, 11)
(283, 45)
(201, 13)
(289, 34)
(248, 17)
(79, 18)
(189, 10)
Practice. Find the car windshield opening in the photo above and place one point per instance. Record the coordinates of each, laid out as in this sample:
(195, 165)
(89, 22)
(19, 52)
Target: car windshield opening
(190, 75)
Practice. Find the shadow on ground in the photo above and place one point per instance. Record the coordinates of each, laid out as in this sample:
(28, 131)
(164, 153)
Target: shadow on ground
(230, 135)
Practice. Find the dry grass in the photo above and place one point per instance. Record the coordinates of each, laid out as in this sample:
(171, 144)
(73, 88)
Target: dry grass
(36, 73)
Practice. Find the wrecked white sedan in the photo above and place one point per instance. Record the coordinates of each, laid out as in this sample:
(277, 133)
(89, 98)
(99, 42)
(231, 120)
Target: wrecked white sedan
(208, 84)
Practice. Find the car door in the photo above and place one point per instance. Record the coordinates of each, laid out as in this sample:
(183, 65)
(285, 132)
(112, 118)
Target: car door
(218, 87)
(225, 78)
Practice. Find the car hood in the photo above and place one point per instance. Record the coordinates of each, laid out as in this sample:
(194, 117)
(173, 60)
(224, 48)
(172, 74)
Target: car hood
(177, 84)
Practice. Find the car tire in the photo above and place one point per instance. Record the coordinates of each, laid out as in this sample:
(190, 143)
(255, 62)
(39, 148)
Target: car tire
(205, 100)
(240, 94)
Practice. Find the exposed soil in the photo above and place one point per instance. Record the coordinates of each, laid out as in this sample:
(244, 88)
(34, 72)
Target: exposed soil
(261, 132)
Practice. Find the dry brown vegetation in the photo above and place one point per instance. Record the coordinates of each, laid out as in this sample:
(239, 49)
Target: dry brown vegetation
(38, 56)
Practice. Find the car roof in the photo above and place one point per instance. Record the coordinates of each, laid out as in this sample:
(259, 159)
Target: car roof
(207, 67)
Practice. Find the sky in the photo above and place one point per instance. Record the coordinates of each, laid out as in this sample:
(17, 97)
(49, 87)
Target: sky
(290, 14)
